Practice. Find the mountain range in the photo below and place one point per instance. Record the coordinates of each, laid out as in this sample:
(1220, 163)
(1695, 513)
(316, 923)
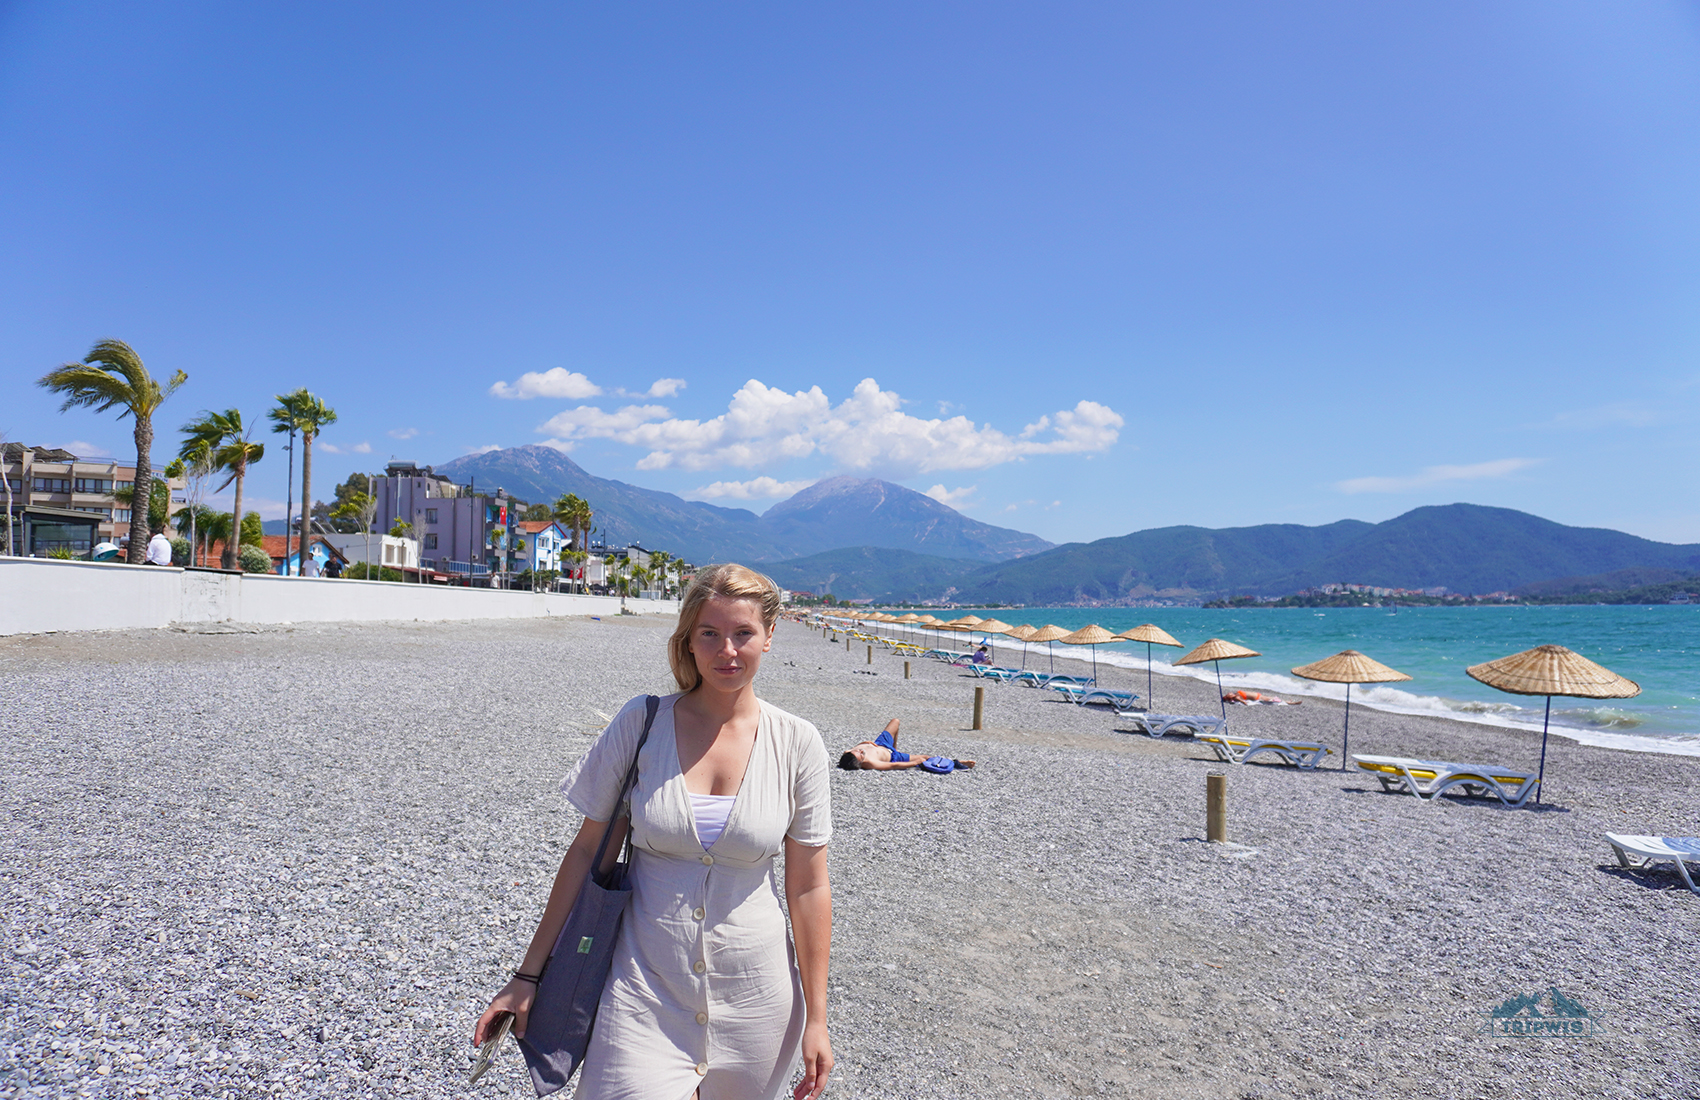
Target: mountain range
(828, 515)
(862, 538)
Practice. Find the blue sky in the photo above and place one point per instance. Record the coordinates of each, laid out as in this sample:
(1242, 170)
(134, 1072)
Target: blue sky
(1079, 269)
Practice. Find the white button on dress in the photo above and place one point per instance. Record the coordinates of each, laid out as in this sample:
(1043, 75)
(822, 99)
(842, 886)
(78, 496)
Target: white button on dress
(653, 1039)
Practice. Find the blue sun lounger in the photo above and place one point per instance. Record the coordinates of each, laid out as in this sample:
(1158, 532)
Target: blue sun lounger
(1074, 693)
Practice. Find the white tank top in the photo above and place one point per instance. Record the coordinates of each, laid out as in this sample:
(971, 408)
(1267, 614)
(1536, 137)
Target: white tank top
(711, 812)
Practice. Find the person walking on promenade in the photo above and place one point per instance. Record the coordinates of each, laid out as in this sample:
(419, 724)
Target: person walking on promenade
(708, 996)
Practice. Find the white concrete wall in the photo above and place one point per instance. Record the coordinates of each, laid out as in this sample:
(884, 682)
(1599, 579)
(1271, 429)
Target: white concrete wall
(39, 596)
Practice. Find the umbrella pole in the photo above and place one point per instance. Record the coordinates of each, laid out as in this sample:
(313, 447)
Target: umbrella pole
(1052, 651)
(1541, 777)
(1094, 666)
(1346, 738)
(1148, 677)
(1219, 695)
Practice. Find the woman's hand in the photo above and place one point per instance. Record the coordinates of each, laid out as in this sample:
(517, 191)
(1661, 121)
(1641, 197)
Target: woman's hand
(515, 997)
(817, 1062)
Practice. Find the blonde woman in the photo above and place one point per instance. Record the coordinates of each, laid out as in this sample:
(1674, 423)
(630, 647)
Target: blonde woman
(708, 996)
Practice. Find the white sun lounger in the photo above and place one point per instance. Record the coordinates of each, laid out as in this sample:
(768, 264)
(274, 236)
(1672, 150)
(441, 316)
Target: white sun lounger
(1428, 779)
(1641, 851)
(1238, 750)
(1156, 725)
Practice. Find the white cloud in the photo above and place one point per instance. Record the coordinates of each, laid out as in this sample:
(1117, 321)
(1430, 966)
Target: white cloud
(590, 422)
(566, 447)
(361, 448)
(665, 387)
(554, 382)
(484, 450)
(402, 433)
(867, 431)
(952, 498)
(761, 488)
(84, 449)
(1436, 475)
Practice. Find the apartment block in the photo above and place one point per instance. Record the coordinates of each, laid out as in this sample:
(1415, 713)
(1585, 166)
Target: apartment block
(47, 477)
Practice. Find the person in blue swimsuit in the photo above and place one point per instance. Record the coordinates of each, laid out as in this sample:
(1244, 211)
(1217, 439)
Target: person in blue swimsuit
(882, 755)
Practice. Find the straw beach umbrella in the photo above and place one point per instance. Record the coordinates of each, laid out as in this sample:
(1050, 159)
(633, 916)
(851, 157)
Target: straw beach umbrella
(1216, 651)
(1093, 635)
(1151, 634)
(1552, 670)
(1349, 667)
(1049, 634)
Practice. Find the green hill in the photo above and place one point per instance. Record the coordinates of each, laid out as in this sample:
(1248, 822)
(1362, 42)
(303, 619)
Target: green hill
(1462, 547)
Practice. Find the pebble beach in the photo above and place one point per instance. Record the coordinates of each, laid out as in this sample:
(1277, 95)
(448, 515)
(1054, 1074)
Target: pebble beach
(296, 861)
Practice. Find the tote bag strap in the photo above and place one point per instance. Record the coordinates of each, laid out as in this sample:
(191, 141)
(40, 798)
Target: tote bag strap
(651, 704)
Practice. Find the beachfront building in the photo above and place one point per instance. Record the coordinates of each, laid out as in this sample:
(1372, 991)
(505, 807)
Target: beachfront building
(285, 554)
(386, 550)
(453, 524)
(47, 477)
(544, 541)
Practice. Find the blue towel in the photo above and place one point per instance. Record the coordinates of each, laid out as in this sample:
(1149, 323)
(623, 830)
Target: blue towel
(939, 765)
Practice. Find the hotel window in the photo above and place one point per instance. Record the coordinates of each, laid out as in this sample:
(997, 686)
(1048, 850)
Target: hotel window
(431, 541)
(121, 515)
(123, 485)
(431, 517)
(94, 485)
(52, 484)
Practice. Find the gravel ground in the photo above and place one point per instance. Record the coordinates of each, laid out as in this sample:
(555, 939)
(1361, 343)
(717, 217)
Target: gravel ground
(296, 861)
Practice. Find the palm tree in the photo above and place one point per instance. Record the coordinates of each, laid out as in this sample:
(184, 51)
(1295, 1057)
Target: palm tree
(658, 561)
(221, 437)
(573, 512)
(302, 412)
(110, 376)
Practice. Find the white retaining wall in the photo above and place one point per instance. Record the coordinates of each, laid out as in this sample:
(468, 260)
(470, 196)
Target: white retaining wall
(39, 596)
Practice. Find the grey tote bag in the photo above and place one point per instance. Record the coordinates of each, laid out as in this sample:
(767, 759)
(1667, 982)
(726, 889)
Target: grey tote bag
(564, 1010)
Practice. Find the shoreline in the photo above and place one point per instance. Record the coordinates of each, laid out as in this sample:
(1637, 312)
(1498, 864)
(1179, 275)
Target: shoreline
(1501, 714)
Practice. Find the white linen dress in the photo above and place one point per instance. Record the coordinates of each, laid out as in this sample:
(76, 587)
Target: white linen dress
(704, 991)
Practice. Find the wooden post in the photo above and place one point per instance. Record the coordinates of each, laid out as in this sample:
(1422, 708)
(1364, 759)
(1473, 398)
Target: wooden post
(906, 670)
(1216, 806)
(847, 643)
(979, 705)
(870, 655)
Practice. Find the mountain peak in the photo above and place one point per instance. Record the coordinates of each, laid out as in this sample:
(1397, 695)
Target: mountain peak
(831, 514)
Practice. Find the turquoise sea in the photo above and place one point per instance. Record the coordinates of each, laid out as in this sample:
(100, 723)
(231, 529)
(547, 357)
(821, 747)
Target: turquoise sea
(1658, 647)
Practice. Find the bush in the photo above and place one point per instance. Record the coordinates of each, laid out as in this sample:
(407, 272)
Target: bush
(179, 551)
(62, 553)
(254, 560)
(366, 571)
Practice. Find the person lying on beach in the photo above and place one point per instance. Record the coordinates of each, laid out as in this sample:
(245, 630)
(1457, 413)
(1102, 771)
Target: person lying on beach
(1257, 698)
(881, 755)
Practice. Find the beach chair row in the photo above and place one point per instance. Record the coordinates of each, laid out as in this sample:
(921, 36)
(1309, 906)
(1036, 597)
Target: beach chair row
(1427, 779)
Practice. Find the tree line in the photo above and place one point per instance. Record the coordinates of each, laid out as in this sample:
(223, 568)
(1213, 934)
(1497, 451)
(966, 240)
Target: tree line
(113, 376)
